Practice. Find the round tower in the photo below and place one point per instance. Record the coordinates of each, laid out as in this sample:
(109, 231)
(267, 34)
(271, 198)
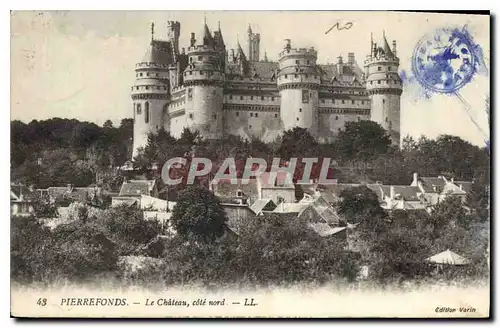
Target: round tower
(298, 84)
(204, 80)
(384, 87)
(150, 93)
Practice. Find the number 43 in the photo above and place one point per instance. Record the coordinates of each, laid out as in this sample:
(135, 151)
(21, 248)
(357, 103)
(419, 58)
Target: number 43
(42, 302)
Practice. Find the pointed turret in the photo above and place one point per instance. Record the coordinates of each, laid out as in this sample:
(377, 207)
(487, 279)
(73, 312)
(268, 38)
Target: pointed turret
(206, 39)
(249, 30)
(387, 48)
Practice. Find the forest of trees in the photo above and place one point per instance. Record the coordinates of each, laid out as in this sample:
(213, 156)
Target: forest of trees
(91, 242)
(57, 152)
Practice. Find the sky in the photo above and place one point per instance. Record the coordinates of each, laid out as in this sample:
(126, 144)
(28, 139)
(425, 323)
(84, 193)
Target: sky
(80, 64)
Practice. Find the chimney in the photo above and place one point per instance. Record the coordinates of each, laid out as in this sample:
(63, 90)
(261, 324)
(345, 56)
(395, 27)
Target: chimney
(415, 179)
(392, 192)
(350, 58)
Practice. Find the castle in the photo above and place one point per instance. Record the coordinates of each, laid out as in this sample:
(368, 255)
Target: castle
(215, 91)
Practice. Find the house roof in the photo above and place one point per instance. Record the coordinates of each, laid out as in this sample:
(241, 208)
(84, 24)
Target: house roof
(453, 189)
(259, 205)
(448, 257)
(409, 193)
(324, 230)
(379, 190)
(228, 189)
(429, 183)
(137, 187)
(79, 194)
(263, 69)
(323, 209)
(17, 190)
(266, 180)
(466, 185)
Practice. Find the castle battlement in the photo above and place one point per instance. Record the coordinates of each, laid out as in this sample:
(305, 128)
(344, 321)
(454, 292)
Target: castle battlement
(217, 92)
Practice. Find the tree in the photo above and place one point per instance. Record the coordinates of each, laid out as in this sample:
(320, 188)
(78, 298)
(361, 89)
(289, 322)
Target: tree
(297, 142)
(362, 141)
(359, 204)
(198, 215)
(108, 124)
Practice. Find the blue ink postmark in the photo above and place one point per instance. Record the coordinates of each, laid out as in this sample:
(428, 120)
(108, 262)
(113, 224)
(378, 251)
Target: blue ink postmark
(445, 60)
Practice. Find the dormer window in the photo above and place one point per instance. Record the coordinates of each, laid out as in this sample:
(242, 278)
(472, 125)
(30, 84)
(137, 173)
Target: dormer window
(239, 193)
(379, 68)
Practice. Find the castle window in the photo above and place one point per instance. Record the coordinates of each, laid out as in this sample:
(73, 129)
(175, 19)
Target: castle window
(389, 68)
(156, 74)
(296, 75)
(237, 113)
(315, 77)
(136, 88)
(383, 101)
(353, 102)
(147, 88)
(379, 68)
(147, 74)
(308, 62)
(343, 101)
(306, 76)
(251, 97)
(201, 73)
(230, 97)
(190, 93)
(249, 126)
(338, 129)
(300, 110)
(386, 119)
(336, 118)
(322, 101)
(359, 118)
(262, 98)
(146, 112)
(275, 115)
(139, 109)
(286, 76)
(191, 116)
(251, 114)
(241, 97)
(200, 58)
(256, 114)
(362, 102)
(272, 98)
(140, 74)
(214, 92)
(214, 116)
(157, 87)
(297, 118)
(190, 73)
(378, 82)
(165, 88)
(296, 69)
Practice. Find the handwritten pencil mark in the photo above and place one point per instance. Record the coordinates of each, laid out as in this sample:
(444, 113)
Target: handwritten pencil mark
(346, 26)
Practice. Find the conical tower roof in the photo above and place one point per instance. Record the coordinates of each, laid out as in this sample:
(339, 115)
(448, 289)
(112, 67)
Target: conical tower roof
(207, 39)
(448, 257)
(158, 52)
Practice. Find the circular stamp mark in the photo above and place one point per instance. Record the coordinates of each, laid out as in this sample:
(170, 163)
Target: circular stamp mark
(444, 61)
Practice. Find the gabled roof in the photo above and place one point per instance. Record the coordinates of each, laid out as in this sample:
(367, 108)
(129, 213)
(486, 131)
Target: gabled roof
(17, 190)
(323, 209)
(466, 185)
(408, 193)
(228, 189)
(262, 204)
(78, 194)
(137, 187)
(265, 179)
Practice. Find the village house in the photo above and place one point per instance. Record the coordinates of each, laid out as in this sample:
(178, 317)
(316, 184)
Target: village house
(20, 200)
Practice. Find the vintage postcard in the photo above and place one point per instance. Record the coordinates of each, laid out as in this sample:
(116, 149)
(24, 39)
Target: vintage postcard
(250, 164)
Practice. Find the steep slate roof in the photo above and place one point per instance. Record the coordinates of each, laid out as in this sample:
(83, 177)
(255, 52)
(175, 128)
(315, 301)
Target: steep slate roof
(17, 190)
(159, 52)
(263, 69)
(137, 187)
(73, 194)
(265, 179)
